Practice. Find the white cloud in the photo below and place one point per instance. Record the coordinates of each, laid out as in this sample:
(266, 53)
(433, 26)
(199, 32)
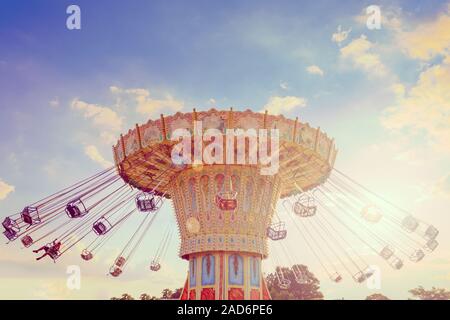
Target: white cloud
(423, 111)
(279, 105)
(212, 102)
(147, 105)
(390, 18)
(340, 35)
(93, 153)
(101, 116)
(360, 53)
(54, 102)
(428, 39)
(284, 85)
(5, 189)
(104, 118)
(313, 69)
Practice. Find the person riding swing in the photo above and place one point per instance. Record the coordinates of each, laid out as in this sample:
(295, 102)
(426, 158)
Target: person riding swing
(51, 250)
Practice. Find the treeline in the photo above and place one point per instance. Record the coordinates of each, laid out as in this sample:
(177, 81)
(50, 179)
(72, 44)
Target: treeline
(307, 289)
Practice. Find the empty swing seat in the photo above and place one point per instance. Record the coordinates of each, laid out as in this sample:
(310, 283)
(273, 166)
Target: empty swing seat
(305, 206)
(431, 233)
(27, 241)
(359, 277)
(10, 234)
(386, 252)
(147, 202)
(277, 231)
(410, 223)
(155, 266)
(30, 215)
(76, 209)
(336, 277)
(362, 276)
(431, 245)
(417, 255)
(298, 275)
(86, 255)
(396, 263)
(11, 228)
(9, 223)
(101, 226)
(115, 271)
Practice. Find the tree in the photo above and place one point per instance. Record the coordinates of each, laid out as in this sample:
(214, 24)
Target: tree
(309, 290)
(146, 296)
(377, 296)
(176, 294)
(166, 294)
(433, 294)
(125, 296)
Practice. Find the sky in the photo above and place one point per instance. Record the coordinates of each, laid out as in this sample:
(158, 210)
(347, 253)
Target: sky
(66, 95)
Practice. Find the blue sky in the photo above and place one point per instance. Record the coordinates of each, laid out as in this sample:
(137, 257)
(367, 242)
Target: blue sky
(133, 60)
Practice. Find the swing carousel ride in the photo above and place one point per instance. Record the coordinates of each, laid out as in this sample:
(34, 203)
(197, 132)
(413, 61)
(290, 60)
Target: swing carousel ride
(227, 213)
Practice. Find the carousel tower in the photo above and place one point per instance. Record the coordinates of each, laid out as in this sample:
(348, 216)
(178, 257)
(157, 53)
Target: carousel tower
(224, 211)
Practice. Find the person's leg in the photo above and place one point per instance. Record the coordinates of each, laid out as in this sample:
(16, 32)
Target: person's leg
(40, 249)
(39, 258)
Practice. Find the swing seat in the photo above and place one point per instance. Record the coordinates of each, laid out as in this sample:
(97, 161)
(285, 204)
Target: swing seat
(298, 275)
(277, 231)
(431, 233)
(226, 201)
(359, 277)
(386, 252)
(53, 252)
(304, 207)
(155, 266)
(27, 241)
(362, 276)
(336, 277)
(10, 234)
(410, 223)
(147, 202)
(431, 245)
(12, 224)
(115, 271)
(11, 228)
(396, 263)
(76, 209)
(101, 226)
(86, 255)
(417, 255)
(30, 215)
(120, 262)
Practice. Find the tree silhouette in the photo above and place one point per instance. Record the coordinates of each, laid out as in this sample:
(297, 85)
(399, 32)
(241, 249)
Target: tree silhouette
(433, 294)
(176, 294)
(146, 296)
(377, 296)
(309, 290)
(125, 296)
(166, 294)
